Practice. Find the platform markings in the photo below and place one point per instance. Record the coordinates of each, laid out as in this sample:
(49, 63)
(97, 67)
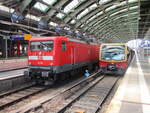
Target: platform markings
(149, 60)
(115, 104)
(145, 95)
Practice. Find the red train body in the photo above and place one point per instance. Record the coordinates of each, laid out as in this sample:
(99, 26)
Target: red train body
(114, 58)
(50, 56)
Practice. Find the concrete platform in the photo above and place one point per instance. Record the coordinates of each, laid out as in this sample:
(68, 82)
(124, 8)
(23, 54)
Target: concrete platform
(13, 64)
(133, 94)
(11, 74)
(12, 79)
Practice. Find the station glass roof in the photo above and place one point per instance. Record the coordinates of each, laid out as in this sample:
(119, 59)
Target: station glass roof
(104, 20)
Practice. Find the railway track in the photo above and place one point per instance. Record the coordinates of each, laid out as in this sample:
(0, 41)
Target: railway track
(86, 100)
(74, 98)
(9, 70)
(16, 95)
(66, 99)
(19, 95)
(90, 100)
(51, 95)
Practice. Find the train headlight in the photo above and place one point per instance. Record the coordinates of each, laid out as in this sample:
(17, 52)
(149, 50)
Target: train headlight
(29, 63)
(51, 63)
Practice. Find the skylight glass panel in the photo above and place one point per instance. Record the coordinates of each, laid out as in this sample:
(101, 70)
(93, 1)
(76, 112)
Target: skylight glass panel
(92, 7)
(114, 14)
(71, 6)
(92, 17)
(73, 22)
(135, 7)
(83, 13)
(120, 3)
(132, 1)
(49, 2)
(116, 4)
(111, 8)
(60, 15)
(41, 7)
(100, 13)
(53, 24)
(88, 21)
(122, 10)
(66, 28)
(29, 16)
(121, 17)
(82, 25)
(134, 13)
(101, 2)
(95, 24)
(7, 9)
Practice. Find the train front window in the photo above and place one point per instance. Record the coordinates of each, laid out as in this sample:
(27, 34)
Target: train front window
(41, 45)
(110, 52)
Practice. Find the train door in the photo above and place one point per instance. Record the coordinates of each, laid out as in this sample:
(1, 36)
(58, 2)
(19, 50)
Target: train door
(72, 55)
(64, 53)
(73, 60)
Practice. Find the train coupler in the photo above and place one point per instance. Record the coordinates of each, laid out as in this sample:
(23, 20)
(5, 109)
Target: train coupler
(45, 74)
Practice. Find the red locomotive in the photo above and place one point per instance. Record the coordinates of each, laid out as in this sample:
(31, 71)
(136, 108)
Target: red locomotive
(50, 57)
(114, 58)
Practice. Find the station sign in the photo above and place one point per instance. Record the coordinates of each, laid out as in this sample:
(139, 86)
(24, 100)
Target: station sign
(27, 36)
(21, 37)
(17, 37)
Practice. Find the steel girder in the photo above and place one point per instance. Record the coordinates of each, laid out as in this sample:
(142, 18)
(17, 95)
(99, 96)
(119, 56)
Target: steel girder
(53, 10)
(110, 12)
(105, 23)
(79, 9)
(118, 28)
(101, 24)
(24, 4)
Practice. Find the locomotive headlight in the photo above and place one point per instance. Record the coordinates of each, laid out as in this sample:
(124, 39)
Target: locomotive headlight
(51, 63)
(48, 58)
(29, 63)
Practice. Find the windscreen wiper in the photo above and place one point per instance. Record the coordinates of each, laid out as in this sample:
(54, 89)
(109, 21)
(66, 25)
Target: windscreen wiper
(44, 44)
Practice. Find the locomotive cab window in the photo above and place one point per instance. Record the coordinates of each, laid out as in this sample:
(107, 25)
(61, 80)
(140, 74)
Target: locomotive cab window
(64, 45)
(41, 45)
(113, 52)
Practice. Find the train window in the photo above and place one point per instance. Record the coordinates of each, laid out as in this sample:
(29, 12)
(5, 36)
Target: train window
(113, 52)
(41, 45)
(64, 45)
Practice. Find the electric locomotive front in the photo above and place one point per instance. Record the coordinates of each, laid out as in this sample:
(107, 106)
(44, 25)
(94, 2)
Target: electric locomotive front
(113, 58)
(41, 58)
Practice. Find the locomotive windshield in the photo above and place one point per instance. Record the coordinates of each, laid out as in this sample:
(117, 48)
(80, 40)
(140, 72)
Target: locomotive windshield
(110, 52)
(41, 45)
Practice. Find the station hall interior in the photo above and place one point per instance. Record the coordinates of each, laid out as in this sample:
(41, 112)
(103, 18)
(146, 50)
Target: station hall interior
(85, 25)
